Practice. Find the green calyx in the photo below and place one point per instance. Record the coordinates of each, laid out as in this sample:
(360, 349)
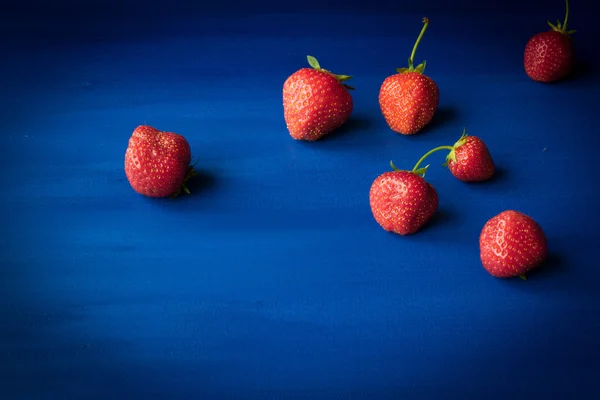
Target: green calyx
(415, 170)
(562, 28)
(312, 61)
(421, 67)
(189, 174)
(451, 154)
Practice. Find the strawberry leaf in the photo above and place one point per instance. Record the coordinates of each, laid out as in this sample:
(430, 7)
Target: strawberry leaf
(349, 87)
(462, 138)
(421, 171)
(343, 78)
(313, 62)
(401, 70)
(421, 67)
(554, 27)
(562, 27)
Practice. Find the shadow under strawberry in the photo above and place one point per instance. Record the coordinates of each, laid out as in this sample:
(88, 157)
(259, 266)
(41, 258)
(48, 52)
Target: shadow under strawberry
(444, 115)
(202, 181)
(356, 125)
(196, 184)
(583, 71)
(500, 176)
(443, 217)
(552, 268)
(553, 265)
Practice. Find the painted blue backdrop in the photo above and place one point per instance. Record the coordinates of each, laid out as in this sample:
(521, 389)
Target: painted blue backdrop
(272, 280)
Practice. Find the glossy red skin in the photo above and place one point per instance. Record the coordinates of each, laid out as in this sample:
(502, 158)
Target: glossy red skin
(511, 244)
(156, 163)
(408, 101)
(548, 56)
(473, 161)
(315, 104)
(402, 201)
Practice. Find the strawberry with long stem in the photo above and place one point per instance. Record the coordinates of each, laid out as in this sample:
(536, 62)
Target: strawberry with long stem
(469, 159)
(549, 55)
(408, 99)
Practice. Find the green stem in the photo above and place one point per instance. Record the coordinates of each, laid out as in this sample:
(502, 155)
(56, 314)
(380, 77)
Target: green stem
(566, 16)
(414, 50)
(429, 153)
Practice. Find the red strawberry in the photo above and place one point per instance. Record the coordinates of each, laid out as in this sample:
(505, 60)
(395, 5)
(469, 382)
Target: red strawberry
(512, 243)
(469, 159)
(409, 99)
(315, 102)
(549, 55)
(403, 201)
(157, 163)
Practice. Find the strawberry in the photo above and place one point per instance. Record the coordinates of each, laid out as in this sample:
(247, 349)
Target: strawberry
(315, 102)
(409, 99)
(469, 159)
(157, 163)
(402, 201)
(511, 244)
(549, 55)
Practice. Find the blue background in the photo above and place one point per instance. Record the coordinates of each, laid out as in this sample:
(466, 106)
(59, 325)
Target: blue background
(272, 280)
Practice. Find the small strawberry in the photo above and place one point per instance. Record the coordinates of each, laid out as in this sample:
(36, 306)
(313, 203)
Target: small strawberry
(315, 102)
(512, 243)
(549, 55)
(402, 201)
(157, 163)
(409, 99)
(469, 159)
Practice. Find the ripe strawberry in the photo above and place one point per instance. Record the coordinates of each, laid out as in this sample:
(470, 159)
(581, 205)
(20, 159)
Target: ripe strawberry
(315, 102)
(512, 243)
(157, 163)
(403, 201)
(469, 159)
(409, 99)
(549, 55)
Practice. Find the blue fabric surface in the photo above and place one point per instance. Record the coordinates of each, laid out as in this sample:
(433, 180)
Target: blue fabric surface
(272, 280)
